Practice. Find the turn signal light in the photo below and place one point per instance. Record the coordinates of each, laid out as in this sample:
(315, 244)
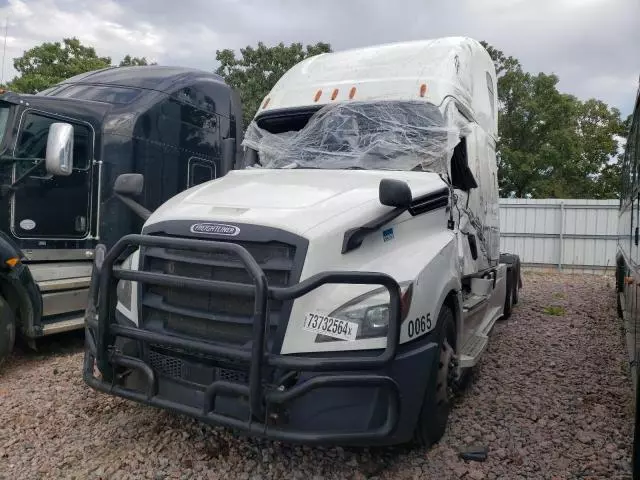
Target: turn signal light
(12, 262)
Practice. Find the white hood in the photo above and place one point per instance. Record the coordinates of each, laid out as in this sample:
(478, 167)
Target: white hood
(297, 200)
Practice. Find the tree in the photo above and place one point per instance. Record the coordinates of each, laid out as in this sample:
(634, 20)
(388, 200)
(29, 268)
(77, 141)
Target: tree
(258, 69)
(551, 144)
(51, 62)
(128, 60)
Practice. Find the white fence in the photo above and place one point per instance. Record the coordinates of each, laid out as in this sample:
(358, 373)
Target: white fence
(561, 234)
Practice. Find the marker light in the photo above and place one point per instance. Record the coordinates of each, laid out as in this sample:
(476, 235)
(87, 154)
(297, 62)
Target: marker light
(12, 262)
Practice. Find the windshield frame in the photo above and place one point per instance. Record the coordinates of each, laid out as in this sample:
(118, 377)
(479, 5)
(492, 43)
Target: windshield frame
(6, 109)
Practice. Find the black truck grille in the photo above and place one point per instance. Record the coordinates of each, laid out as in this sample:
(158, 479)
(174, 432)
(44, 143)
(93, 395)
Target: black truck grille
(218, 317)
(167, 363)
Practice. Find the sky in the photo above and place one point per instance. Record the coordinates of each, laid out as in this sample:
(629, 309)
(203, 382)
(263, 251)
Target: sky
(592, 45)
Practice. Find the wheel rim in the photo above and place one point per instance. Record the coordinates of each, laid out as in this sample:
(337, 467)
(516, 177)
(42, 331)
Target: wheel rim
(444, 390)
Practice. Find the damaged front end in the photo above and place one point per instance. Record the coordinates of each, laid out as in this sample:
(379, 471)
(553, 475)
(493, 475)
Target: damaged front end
(247, 386)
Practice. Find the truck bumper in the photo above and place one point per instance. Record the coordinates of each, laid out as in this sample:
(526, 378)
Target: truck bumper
(359, 398)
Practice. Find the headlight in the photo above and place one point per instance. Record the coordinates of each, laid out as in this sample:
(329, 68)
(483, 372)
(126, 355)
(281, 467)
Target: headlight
(123, 290)
(370, 312)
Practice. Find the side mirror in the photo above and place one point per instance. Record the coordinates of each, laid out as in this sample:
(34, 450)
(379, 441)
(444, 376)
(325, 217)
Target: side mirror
(130, 184)
(59, 154)
(394, 193)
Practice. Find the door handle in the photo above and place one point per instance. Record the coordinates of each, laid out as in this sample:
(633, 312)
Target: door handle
(637, 235)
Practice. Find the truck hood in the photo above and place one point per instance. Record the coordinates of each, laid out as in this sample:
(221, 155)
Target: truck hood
(296, 200)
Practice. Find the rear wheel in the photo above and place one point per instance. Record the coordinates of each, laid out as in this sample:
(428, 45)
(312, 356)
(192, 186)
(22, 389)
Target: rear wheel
(619, 287)
(516, 281)
(508, 295)
(7, 330)
(434, 415)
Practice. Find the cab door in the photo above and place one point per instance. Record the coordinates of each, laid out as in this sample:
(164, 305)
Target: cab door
(52, 207)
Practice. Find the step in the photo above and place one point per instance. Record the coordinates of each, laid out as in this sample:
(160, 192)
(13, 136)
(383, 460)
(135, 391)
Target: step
(64, 302)
(48, 272)
(472, 302)
(472, 349)
(64, 284)
(66, 325)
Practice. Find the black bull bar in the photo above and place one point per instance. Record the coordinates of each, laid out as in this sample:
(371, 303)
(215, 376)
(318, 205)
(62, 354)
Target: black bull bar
(102, 331)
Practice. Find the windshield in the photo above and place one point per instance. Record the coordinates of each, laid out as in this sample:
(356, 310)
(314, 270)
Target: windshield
(381, 135)
(116, 95)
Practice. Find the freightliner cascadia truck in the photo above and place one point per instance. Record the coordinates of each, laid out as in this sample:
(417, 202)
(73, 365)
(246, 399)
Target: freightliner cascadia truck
(338, 286)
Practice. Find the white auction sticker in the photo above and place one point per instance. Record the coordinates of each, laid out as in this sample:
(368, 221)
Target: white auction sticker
(27, 224)
(330, 326)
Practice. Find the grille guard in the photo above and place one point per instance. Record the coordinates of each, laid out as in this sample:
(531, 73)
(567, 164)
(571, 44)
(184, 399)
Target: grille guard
(102, 330)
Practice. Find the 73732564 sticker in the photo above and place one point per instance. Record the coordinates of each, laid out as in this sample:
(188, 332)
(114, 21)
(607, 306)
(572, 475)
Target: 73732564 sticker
(330, 326)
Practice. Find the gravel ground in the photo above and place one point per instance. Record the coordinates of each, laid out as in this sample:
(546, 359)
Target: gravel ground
(551, 399)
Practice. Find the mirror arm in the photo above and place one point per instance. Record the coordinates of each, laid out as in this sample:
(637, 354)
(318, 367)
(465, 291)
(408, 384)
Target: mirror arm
(135, 206)
(353, 238)
(7, 189)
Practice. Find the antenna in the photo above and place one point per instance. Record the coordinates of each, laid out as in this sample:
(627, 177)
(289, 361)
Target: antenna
(4, 50)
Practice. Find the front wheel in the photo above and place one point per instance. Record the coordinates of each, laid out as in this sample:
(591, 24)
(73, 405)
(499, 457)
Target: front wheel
(7, 330)
(434, 415)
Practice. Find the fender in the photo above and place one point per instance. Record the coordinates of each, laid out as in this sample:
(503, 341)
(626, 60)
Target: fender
(20, 289)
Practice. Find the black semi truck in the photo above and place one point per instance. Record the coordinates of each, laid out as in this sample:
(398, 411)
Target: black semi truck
(61, 153)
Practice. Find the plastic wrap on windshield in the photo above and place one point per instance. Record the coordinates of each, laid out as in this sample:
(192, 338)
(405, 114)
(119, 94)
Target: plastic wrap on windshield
(383, 135)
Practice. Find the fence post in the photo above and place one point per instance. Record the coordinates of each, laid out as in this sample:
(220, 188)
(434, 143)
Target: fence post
(561, 246)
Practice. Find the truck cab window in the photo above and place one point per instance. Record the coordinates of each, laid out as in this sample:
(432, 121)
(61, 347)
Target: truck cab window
(32, 142)
(200, 171)
(461, 175)
(4, 116)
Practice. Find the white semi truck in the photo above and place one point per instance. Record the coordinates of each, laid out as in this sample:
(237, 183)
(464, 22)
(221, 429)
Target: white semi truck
(336, 287)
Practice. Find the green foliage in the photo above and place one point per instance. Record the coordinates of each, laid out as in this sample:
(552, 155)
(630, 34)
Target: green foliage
(128, 60)
(554, 310)
(257, 70)
(552, 144)
(51, 62)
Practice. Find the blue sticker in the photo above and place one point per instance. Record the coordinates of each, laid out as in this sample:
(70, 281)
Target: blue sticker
(387, 234)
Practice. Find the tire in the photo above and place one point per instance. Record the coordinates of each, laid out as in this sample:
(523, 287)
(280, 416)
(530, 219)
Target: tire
(508, 297)
(434, 414)
(7, 331)
(619, 288)
(516, 282)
